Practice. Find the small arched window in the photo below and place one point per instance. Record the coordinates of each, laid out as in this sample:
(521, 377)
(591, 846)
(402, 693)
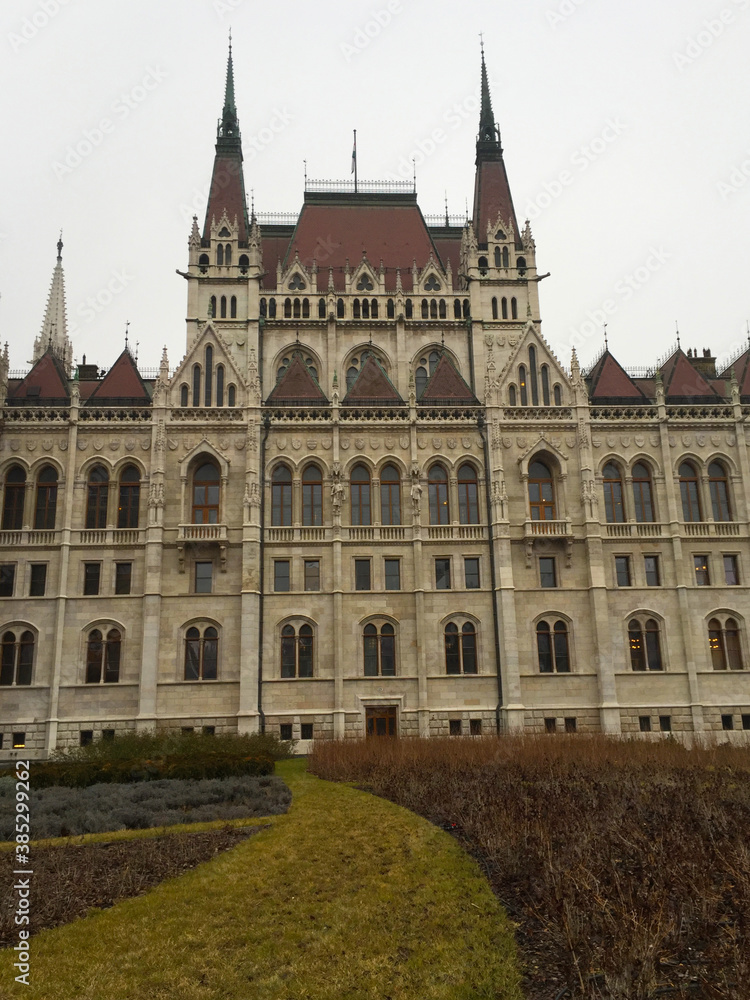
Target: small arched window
(46, 498)
(613, 503)
(209, 360)
(312, 496)
(379, 650)
(437, 485)
(223, 306)
(521, 265)
(522, 385)
(305, 309)
(442, 309)
(130, 497)
(13, 501)
(203, 262)
(287, 308)
(356, 310)
(227, 254)
(541, 492)
(643, 503)
(433, 309)
(183, 395)
(724, 643)
(460, 648)
(511, 395)
(374, 308)
(206, 494)
(483, 265)
(506, 258)
(390, 495)
(553, 648)
(220, 254)
(457, 308)
(498, 257)
(196, 385)
(96, 497)
(409, 309)
(466, 309)
(220, 385)
(425, 309)
(233, 307)
(272, 308)
(321, 308)
(231, 395)
(504, 307)
(718, 485)
(212, 307)
(365, 309)
(420, 380)
(201, 654)
(558, 395)
(360, 495)
(532, 376)
(691, 501)
(297, 651)
(468, 495)
(340, 309)
(390, 309)
(514, 308)
(545, 385)
(103, 656)
(645, 644)
(297, 310)
(281, 496)
(494, 307)
(16, 658)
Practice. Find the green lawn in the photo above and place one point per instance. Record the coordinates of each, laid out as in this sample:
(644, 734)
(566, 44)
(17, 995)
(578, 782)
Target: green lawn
(346, 896)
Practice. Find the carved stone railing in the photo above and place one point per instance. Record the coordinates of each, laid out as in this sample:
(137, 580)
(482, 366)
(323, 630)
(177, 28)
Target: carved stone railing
(547, 529)
(710, 529)
(36, 414)
(456, 532)
(202, 533)
(537, 413)
(109, 536)
(196, 414)
(624, 413)
(29, 536)
(115, 414)
(304, 533)
(647, 529)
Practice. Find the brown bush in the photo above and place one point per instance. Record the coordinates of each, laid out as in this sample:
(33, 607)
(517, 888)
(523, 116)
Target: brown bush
(624, 862)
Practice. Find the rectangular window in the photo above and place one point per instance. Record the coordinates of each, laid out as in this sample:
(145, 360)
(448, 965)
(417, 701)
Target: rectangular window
(281, 575)
(547, 572)
(571, 725)
(86, 737)
(454, 727)
(550, 725)
(187, 730)
(285, 731)
(7, 579)
(108, 735)
(471, 573)
(653, 576)
(123, 574)
(731, 575)
(701, 570)
(442, 574)
(91, 575)
(644, 723)
(203, 577)
(665, 723)
(209, 730)
(727, 722)
(306, 731)
(312, 574)
(362, 579)
(746, 721)
(475, 727)
(19, 741)
(393, 574)
(38, 582)
(622, 570)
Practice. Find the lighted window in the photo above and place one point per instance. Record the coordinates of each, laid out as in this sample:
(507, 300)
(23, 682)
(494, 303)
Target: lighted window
(645, 645)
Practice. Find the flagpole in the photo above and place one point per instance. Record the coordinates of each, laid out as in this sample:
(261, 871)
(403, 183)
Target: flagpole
(355, 161)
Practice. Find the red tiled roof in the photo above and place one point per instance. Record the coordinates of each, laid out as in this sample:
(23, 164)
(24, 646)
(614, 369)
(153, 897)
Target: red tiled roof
(492, 196)
(227, 192)
(741, 368)
(297, 383)
(46, 380)
(609, 380)
(372, 383)
(274, 250)
(446, 383)
(122, 381)
(682, 380)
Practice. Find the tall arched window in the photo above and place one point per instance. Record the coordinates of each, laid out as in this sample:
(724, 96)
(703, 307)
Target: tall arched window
(506, 258)
(272, 308)
(613, 505)
(365, 309)
(532, 376)
(321, 308)
(390, 495)
(457, 308)
(498, 257)
(130, 497)
(281, 496)
(420, 379)
(545, 385)
(297, 651)
(557, 395)
(541, 492)
(13, 501)
(210, 364)
(46, 498)
(460, 648)
(522, 385)
(356, 311)
(96, 497)
(425, 309)
(206, 494)
(390, 309)
(196, 385)
(379, 650)
(437, 486)
(511, 395)
(233, 307)
(201, 654)
(691, 501)
(724, 643)
(297, 309)
(312, 496)
(16, 658)
(468, 495)
(223, 307)
(227, 253)
(183, 395)
(231, 395)
(433, 309)
(642, 493)
(514, 308)
(553, 649)
(287, 308)
(360, 494)
(220, 385)
(494, 306)
(504, 307)
(409, 309)
(212, 307)
(220, 255)
(442, 309)
(645, 645)
(103, 656)
(719, 488)
(340, 309)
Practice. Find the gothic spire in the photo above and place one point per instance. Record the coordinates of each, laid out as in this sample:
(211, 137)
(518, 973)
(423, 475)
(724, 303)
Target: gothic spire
(54, 332)
(488, 130)
(229, 126)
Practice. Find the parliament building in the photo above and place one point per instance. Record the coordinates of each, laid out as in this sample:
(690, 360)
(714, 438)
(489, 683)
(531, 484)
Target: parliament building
(369, 499)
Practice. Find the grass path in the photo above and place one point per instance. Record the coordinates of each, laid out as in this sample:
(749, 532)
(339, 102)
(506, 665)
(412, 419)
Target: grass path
(346, 896)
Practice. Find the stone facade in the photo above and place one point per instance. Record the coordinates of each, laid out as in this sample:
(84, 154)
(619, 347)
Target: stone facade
(369, 497)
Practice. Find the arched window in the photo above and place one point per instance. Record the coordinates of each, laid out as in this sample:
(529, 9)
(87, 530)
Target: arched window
(522, 385)
(545, 385)
(457, 308)
(719, 489)
(233, 306)
(281, 496)
(201, 654)
(297, 651)
(541, 492)
(287, 308)
(305, 309)
(210, 365)
(15, 494)
(468, 495)
(513, 308)
(223, 305)
(340, 309)
(494, 306)
(437, 485)
(321, 308)
(360, 494)
(460, 648)
(425, 309)
(504, 307)
(103, 656)
(724, 643)
(409, 309)
(16, 658)
(365, 309)
(263, 308)
(613, 505)
(558, 395)
(206, 494)
(441, 309)
(183, 395)
(433, 309)
(379, 650)
(691, 501)
(46, 498)
(231, 395)
(96, 497)
(220, 385)
(227, 254)
(244, 263)
(390, 309)
(203, 262)
(312, 496)
(552, 647)
(356, 311)
(642, 493)
(390, 495)
(532, 377)
(466, 309)
(483, 265)
(272, 308)
(511, 395)
(130, 497)
(420, 379)
(196, 385)
(297, 312)
(645, 645)
(220, 254)
(506, 258)
(521, 265)
(498, 257)
(212, 307)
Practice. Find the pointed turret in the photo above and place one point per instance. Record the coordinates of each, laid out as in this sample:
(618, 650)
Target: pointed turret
(492, 197)
(54, 333)
(227, 193)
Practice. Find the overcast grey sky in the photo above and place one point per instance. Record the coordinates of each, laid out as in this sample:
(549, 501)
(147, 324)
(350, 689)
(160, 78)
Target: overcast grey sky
(626, 130)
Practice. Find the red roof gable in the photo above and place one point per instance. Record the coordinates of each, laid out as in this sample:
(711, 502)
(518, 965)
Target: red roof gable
(492, 196)
(446, 383)
(122, 381)
(741, 367)
(227, 192)
(609, 380)
(683, 381)
(372, 383)
(46, 380)
(297, 385)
